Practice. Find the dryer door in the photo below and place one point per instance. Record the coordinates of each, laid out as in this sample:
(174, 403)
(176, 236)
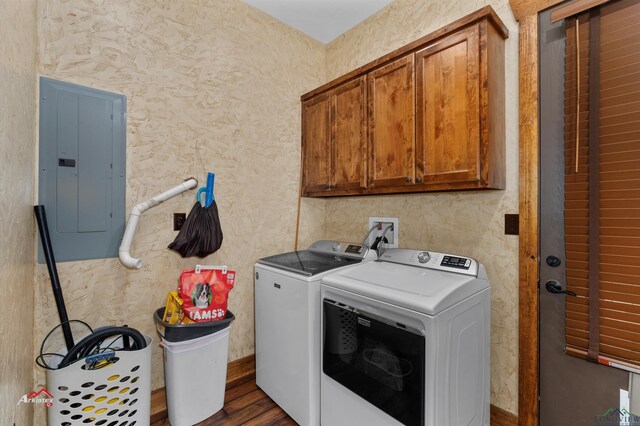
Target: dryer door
(378, 359)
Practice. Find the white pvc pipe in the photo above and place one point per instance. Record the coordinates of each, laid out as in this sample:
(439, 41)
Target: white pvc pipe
(125, 258)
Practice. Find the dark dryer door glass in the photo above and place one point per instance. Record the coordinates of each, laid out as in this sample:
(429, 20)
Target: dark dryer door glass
(378, 359)
(308, 263)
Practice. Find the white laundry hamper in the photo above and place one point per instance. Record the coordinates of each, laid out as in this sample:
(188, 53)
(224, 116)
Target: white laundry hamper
(116, 395)
(195, 374)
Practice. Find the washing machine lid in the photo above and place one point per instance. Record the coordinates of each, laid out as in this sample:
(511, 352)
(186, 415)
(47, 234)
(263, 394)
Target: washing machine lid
(401, 279)
(321, 256)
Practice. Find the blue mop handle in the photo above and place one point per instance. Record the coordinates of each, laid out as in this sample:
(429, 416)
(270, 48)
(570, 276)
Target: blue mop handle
(209, 194)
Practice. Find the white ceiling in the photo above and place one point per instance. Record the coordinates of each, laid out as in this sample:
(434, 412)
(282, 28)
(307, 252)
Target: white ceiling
(323, 20)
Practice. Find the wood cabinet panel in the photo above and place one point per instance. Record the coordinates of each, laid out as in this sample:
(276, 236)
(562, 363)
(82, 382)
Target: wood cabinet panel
(426, 117)
(447, 117)
(316, 144)
(348, 135)
(391, 108)
(492, 108)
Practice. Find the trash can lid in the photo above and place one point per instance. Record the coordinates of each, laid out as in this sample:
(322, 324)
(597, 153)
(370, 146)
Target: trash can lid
(182, 332)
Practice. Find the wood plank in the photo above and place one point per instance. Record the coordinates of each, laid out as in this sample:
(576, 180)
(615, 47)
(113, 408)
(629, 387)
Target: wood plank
(158, 405)
(258, 405)
(275, 416)
(241, 370)
(217, 419)
(529, 198)
(405, 189)
(239, 390)
(243, 401)
(500, 417)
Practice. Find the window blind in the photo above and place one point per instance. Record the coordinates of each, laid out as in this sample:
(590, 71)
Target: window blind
(602, 184)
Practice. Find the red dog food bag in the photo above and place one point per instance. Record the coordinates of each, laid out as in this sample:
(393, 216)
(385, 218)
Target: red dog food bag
(205, 295)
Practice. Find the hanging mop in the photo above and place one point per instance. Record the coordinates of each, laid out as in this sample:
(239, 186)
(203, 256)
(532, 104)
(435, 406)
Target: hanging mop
(201, 233)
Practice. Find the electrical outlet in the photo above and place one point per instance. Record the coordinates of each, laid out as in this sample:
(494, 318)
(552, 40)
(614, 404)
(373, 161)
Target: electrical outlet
(383, 223)
(178, 220)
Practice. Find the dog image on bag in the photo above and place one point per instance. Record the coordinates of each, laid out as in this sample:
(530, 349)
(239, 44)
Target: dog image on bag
(201, 296)
(205, 294)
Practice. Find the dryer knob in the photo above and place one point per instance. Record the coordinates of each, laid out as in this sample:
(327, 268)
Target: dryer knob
(423, 257)
(335, 247)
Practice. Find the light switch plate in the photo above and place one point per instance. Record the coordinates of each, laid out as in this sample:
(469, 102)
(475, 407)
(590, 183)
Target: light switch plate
(178, 220)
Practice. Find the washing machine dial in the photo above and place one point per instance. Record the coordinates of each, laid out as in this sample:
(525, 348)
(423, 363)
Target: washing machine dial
(335, 247)
(424, 256)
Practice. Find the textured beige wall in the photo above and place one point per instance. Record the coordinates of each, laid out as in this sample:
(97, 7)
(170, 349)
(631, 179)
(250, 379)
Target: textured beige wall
(210, 85)
(215, 85)
(469, 223)
(17, 136)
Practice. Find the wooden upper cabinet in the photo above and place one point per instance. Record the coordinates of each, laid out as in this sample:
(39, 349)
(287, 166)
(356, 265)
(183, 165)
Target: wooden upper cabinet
(460, 110)
(448, 109)
(426, 117)
(348, 135)
(391, 108)
(316, 144)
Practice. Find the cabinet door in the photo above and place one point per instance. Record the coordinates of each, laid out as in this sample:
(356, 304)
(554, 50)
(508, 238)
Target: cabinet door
(316, 144)
(448, 109)
(390, 97)
(348, 118)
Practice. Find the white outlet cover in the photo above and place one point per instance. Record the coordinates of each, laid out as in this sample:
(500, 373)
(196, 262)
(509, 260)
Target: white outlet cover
(392, 236)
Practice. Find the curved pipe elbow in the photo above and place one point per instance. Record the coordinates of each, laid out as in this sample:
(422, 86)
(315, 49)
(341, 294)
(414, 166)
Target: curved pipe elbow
(123, 253)
(127, 260)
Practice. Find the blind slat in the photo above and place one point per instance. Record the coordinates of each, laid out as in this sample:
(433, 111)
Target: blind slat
(617, 168)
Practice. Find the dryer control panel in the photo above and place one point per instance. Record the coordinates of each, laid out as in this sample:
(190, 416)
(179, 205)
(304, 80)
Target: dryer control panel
(432, 260)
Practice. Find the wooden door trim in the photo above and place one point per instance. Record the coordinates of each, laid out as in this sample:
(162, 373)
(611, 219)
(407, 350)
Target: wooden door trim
(526, 12)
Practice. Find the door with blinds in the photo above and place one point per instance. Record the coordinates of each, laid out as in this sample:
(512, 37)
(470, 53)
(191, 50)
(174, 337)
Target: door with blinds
(589, 214)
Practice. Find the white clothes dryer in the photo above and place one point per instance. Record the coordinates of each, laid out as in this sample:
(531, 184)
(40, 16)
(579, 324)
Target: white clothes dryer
(287, 320)
(406, 342)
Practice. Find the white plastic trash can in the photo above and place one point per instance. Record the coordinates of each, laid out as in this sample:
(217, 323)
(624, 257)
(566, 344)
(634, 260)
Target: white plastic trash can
(195, 373)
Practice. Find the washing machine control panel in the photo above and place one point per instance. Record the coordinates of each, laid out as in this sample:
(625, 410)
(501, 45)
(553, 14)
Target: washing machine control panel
(456, 262)
(432, 260)
(340, 248)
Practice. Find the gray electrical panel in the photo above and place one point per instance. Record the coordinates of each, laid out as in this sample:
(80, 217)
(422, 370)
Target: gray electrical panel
(82, 169)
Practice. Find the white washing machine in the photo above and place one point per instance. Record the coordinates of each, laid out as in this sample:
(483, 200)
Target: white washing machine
(406, 342)
(287, 306)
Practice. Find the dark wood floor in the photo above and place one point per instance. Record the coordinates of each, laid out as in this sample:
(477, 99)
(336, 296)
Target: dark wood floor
(245, 404)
